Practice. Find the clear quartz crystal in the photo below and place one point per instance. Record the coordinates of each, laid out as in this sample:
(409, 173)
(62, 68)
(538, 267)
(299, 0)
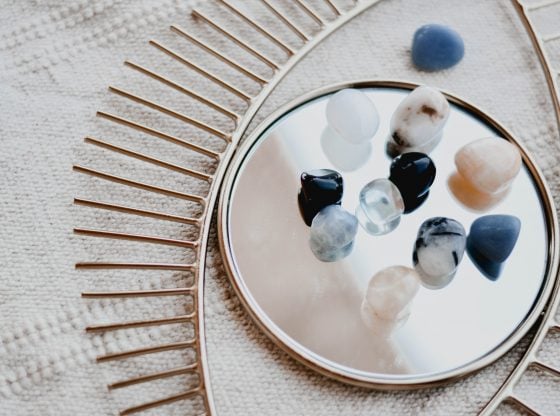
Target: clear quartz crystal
(381, 207)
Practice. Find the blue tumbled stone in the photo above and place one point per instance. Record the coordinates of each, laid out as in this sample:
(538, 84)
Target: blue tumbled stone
(436, 47)
(493, 237)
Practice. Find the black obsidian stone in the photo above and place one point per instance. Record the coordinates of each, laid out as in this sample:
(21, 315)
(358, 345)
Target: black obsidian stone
(413, 173)
(319, 188)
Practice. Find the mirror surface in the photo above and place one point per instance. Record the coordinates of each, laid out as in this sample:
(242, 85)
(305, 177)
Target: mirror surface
(314, 307)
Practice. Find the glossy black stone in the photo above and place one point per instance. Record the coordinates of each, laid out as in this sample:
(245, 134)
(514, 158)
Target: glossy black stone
(413, 173)
(319, 188)
(413, 203)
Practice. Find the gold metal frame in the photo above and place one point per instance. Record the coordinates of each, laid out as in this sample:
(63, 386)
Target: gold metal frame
(378, 382)
(320, 25)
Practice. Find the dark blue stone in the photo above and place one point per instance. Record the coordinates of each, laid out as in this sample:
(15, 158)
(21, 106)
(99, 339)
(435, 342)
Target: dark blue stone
(319, 188)
(493, 237)
(490, 269)
(413, 173)
(436, 47)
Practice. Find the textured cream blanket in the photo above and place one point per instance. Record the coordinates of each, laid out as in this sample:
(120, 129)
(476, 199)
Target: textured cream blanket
(57, 58)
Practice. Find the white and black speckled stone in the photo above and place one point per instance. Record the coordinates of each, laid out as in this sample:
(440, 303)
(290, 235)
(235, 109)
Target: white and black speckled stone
(417, 123)
(438, 250)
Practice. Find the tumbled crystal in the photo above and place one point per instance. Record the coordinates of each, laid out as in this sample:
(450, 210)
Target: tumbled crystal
(352, 115)
(388, 296)
(491, 240)
(332, 233)
(417, 123)
(436, 47)
(438, 250)
(380, 207)
(413, 173)
(490, 165)
(319, 188)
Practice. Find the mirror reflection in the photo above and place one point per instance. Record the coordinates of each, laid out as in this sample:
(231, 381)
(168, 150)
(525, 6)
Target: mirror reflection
(424, 295)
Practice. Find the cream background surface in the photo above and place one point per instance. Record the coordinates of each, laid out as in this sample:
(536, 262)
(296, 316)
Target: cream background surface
(57, 58)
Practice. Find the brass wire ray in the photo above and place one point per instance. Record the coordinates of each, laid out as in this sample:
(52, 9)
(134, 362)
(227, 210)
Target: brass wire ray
(139, 293)
(138, 266)
(237, 40)
(551, 37)
(148, 350)
(155, 376)
(258, 27)
(333, 7)
(137, 324)
(184, 90)
(207, 202)
(547, 367)
(166, 110)
(156, 133)
(182, 396)
(284, 19)
(139, 185)
(207, 74)
(310, 12)
(542, 4)
(523, 405)
(136, 211)
(149, 159)
(213, 51)
(135, 237)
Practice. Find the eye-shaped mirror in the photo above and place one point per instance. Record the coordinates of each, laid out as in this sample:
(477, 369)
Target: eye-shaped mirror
(312, 309)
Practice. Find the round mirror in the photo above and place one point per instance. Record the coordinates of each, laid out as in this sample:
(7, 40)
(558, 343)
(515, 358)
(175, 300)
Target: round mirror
(312, 309)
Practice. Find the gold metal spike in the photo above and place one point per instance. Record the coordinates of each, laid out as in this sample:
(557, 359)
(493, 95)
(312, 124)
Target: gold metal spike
(140, 293)
(333, 7)
(207, 74)
(149, 159)
(135, 237)
(310, 12)
(136, 211)
(539, 5)
(138, 266)
(213, 51)
(155, 376)
(166, 110)
(546, 367)
(523, 405)
(143, 351)
(156, 133)
(137, 324)
(551, 37)
(237, 40)
(139, 185)
(178, 397)
(206, 101)
(258, 27)
(291, 25)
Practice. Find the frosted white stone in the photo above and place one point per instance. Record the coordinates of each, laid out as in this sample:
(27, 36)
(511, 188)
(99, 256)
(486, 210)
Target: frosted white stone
(381, 207)
(332, 233)
(352, 115)
(417, 123)
(388, 297)
(490, 165)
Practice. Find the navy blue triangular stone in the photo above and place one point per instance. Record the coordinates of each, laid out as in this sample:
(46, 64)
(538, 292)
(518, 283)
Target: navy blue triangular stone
(493, 237)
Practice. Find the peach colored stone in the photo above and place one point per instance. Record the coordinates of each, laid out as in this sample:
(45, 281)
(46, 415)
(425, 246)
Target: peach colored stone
(390, 292)
(490, 165)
